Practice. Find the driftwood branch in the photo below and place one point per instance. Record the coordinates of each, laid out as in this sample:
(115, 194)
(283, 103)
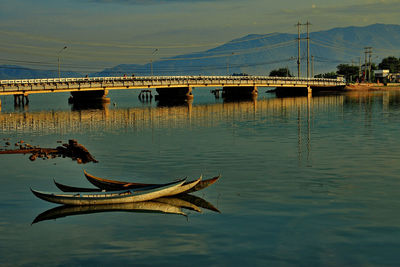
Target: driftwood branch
(72, 150)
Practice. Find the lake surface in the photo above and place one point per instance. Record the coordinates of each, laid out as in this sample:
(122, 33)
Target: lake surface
(305, 181)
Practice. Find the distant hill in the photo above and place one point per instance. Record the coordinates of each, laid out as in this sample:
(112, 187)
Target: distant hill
(259, 54)
(8, 72)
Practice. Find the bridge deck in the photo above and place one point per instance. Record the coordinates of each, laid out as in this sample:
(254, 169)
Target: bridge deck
(30, 86)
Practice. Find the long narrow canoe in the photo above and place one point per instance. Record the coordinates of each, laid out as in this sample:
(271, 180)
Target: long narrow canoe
(67, 188)
(114, 197)
(184, 196)
(107, 184)
(143, 207)
(184, 188)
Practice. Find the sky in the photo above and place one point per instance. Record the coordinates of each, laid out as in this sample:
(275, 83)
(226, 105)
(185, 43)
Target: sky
(105, 33)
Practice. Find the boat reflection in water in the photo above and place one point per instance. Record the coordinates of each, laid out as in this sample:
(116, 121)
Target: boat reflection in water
(166, 205)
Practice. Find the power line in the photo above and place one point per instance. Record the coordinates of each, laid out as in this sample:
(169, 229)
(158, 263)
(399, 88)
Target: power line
(128, 45)
(171, 69)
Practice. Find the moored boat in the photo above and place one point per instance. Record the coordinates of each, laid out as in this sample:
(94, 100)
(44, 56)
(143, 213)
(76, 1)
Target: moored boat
(108, 184)
(184, 187)
(67, 188)
(179, 190)
(113, 197)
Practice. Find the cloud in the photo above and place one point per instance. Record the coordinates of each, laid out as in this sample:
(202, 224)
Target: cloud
(150, 2)
(372, 7)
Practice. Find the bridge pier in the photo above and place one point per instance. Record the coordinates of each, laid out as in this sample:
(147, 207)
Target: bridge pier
(89, 96)
(21, 100)
(216, 92)
(236, 92)
(174, 93)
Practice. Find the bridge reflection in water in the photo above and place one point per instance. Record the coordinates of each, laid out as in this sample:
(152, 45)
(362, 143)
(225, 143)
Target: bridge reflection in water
(109, 118)
(105, 118)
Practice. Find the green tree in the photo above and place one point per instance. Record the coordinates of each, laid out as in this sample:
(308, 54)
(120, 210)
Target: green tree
(348, 71)
(281, 72)
(390, 63)
(329, 75)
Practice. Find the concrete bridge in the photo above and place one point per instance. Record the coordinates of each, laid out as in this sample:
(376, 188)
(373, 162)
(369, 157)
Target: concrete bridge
(166, 86)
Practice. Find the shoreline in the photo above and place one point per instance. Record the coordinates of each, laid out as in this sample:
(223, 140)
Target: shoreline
(372, 87)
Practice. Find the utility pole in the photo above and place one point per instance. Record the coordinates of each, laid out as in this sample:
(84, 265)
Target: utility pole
(227, 63)
(359, 69)
(351, 76)
(367, 50)
(365, 64)
(369, 65)
(308, 50)
(312, 66)
(298, 49)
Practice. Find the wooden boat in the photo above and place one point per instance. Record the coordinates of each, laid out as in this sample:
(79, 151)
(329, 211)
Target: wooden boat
(185, 187)
(184, 196)
(67, 188)
(122, 196)
(138, 207)
(203, 184)
(107, 184)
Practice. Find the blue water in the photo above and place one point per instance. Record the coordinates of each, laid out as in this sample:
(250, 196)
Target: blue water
(305, 181)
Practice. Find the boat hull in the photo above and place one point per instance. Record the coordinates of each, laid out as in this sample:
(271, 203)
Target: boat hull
(107, 184)
(98, 198)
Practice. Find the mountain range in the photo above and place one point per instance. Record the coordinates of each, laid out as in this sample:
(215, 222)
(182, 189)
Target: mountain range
(258, 54)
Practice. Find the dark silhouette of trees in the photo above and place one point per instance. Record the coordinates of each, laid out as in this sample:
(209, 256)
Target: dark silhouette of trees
(390, 63)
(281, 72)
(328, 75)
(349, 72)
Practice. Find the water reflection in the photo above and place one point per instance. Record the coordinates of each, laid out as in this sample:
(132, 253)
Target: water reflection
(166, 205)
(184, 102)
(208, 114)
(99, 105)
(184, 114)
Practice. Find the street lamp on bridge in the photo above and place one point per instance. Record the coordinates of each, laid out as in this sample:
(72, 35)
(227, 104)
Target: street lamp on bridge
(59, 54)
(151, 61)
(227, 63)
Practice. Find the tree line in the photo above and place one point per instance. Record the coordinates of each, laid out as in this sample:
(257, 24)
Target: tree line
(350, 72)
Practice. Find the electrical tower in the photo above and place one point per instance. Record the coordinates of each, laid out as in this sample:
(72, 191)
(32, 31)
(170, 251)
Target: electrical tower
(367, 65)
(298, 48)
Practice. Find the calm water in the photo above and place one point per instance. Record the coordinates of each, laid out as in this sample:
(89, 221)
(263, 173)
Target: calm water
(305, 182)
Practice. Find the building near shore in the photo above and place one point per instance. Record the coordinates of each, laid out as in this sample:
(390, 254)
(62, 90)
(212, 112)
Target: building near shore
(389, 77)
(381, 73)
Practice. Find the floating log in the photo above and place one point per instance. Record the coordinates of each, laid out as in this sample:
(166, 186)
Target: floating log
(72, 150)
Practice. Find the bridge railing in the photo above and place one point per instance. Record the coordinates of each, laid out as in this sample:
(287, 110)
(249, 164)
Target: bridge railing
(167, 78)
